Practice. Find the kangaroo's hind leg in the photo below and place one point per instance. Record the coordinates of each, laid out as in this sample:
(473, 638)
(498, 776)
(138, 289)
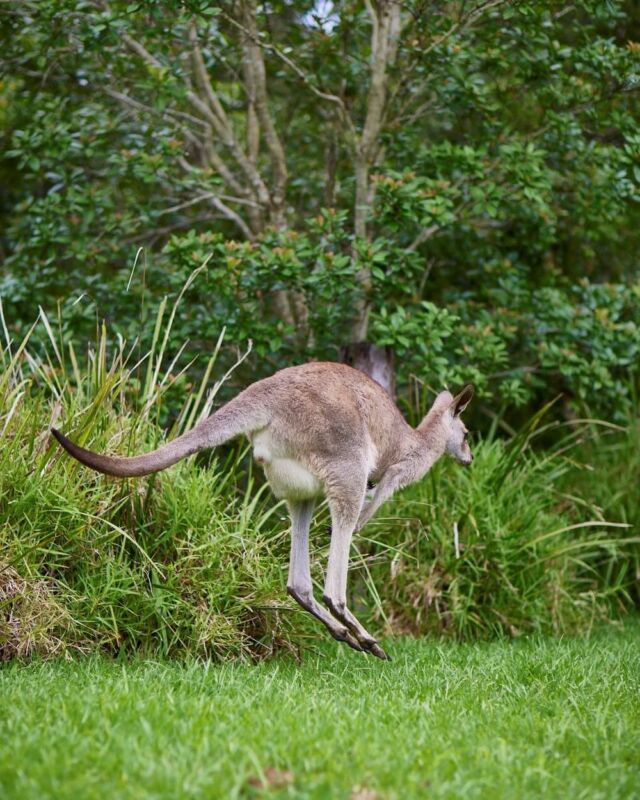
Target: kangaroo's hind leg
(299, 584)
(345, 501)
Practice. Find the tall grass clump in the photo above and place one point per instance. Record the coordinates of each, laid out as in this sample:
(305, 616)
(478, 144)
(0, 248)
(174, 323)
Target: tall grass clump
(189, 560)
(193, 560)
(607, 471)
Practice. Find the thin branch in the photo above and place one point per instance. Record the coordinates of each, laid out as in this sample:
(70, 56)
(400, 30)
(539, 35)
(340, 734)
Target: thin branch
(156, 233)
(205, 147)
(256, 71)
(186, 204)
(230, 214)
(222, 169)
(217, 202)
(203, 79)
(195, 171)
(215, 113)
(306, 79)
(201, 147)
(200, 199)
(421, 238)
(414, 116)
(137, 105)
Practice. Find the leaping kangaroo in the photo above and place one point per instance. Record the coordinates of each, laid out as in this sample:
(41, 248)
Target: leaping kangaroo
(319, 428)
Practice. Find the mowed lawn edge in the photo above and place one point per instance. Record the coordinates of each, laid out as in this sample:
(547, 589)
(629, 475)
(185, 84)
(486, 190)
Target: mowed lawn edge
(533, 717)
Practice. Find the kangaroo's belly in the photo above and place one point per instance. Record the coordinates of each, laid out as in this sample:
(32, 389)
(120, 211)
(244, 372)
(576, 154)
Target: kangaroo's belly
(288, 477)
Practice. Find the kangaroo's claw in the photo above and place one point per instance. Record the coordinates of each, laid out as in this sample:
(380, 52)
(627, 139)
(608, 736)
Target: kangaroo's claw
(349, 639)
(377, 651)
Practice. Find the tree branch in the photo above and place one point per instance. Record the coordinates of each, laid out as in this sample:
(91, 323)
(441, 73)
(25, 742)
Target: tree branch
(215, 113)
(223, 170)
(218, 203)
(230, 214)
(304, 77)
(156, 233)
(132, 102)
(385, 22)
(257, 89)
(421, 238)
(205, 146)
(200, 199)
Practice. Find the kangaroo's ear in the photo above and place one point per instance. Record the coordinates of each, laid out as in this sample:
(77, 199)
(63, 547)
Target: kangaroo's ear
(462, 400)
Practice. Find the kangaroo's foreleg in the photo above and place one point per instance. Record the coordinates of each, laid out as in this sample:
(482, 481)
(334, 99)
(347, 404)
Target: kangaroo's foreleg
(299, 584)
(344, 507)
(397, 476)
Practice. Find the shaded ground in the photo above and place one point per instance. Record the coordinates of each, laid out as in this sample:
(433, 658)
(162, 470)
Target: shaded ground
(529, 718)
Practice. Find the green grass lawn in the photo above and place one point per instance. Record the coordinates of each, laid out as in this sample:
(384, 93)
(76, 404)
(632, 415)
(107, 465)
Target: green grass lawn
(512, 719)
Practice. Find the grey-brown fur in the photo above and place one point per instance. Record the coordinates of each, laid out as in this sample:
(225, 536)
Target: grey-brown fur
(319, 429)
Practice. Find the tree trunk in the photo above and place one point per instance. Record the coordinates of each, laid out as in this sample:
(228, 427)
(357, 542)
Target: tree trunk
(376, 362)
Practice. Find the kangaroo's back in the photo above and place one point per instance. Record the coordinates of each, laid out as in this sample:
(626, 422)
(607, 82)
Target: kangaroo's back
(325, 406)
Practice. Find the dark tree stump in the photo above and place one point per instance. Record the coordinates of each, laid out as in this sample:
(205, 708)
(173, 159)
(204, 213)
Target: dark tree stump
(376, 362)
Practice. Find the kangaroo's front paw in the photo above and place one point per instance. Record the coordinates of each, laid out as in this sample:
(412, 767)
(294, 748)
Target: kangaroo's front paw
(362, 521)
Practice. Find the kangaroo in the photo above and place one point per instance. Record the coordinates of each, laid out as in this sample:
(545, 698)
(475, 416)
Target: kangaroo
(319, 428)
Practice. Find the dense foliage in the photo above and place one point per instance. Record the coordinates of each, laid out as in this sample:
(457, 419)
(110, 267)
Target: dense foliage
(465, 189)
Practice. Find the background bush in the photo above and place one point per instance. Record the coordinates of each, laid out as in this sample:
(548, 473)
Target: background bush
(498, 238)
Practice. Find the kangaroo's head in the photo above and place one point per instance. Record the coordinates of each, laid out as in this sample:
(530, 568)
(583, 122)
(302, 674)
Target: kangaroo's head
(457, 444)
(444, 427)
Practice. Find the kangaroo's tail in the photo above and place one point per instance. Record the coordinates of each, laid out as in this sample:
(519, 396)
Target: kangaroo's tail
(216, 429)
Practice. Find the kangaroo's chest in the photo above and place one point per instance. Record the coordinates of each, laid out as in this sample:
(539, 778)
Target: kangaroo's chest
(288, 477)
